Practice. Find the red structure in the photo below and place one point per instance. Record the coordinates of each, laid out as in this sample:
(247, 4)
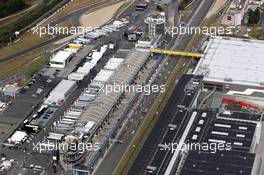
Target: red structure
(242, 104)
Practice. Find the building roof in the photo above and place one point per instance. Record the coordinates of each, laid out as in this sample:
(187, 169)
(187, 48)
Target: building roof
(238, 5)
(113, 63)
(76, 76)
(60, 91)
(86, 68)
(10, 88)
(124, 74)
(239, 134)
(18, 137)
(233, 60)
(214, 130)
(55, 136)
(219, 163)
(61, 56)
(117, 23)
(103, 75)
(241, 116)
(63, 86)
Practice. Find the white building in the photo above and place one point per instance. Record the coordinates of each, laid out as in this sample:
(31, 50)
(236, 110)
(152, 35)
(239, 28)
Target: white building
(255, 3)
(55, 136)
(118, 24)
(17, 138)
(75, 76)
(113, 63)
(103, 75)
(233, 64)
(11, 90)
(235, 13)
(155, 24)
(61, 92)
(89, 126)
(61, 59)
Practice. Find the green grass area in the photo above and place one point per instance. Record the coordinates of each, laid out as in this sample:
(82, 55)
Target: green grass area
(26, 41)
(256, 32)
(28, 70)
(35, 65)
(24, 65)
(32, 67)
(7, 31)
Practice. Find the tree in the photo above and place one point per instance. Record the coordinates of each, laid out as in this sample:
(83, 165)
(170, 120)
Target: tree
(8, 7)
(253, 16)
(160, 8)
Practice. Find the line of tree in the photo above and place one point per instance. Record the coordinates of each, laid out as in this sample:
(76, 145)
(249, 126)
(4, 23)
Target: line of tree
(7, 32)
(8, 7)
(253, 16)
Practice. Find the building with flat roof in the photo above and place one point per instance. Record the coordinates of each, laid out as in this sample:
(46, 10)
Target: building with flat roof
(11, 90)
(237, 129)
(220, 163)
(17, 138)
(235, 13)
(61, 92)
(61, 59)
(240, 130)
(233, 64)
(253, 4)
